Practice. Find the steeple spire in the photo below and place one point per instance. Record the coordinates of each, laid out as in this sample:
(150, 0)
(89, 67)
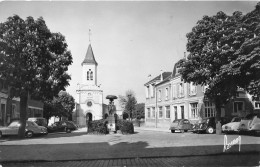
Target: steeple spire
(89, 34)
(89, 58)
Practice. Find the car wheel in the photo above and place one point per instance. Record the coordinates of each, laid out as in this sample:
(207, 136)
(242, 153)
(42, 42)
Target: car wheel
(68, 130)
(210, 130)
(172, 131)
(29, 134)
(185, 130)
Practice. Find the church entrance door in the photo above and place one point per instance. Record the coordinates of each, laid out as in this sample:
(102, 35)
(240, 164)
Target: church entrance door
(88, 117)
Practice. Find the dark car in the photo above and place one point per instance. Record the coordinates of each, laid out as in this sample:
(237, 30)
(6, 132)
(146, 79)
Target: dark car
(208, 125)
(182, 125)
(62, 126)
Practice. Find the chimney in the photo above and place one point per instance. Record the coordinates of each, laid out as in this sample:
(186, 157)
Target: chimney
(149, 77)
(161, 75)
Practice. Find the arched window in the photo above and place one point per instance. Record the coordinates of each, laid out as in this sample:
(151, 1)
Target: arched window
(88, 75)
(91, 75)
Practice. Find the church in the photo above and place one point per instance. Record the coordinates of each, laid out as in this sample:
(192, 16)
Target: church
(89, 102)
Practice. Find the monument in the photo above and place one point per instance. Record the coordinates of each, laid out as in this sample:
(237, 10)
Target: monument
(111, 114)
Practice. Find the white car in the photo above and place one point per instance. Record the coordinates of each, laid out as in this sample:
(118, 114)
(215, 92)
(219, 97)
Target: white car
(231, 126)
(31, 129)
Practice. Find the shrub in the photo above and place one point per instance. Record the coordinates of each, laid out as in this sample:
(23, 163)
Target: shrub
(98, 126)
(126, 127)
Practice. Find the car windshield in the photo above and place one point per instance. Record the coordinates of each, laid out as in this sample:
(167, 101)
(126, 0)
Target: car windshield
(176, 121)
(32, 123)
(236, 119)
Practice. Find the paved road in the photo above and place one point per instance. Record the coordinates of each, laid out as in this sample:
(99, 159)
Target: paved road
(143, 145)
(218, 160)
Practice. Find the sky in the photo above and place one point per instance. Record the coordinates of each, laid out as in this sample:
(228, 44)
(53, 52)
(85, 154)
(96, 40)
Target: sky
(130, 39)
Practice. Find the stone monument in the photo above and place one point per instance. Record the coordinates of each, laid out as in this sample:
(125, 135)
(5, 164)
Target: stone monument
(111, 113)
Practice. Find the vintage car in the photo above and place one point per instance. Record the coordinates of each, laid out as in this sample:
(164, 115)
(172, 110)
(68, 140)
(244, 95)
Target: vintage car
(62, 126)
(208, 125)
(182, 125)
(231, 126)
(39, 121)
(250, 124)
(31, 129)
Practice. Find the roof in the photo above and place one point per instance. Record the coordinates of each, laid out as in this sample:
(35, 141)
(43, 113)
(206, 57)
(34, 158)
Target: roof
(158, 78)
(89, 58)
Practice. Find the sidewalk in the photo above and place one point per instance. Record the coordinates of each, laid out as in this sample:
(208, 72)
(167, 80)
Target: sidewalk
(152, 129)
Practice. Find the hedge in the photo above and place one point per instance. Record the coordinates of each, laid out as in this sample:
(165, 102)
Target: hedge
(98, 126)
(126, 127)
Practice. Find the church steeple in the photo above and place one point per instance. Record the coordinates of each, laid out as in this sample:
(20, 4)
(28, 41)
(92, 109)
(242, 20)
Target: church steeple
(89, 58)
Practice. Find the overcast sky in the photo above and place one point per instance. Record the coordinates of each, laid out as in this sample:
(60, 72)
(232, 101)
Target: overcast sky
(130, 40)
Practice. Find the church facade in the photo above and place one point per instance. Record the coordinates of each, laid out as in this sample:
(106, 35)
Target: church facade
(89, 102)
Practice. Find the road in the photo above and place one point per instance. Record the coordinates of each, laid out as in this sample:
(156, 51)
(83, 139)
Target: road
(140, 149)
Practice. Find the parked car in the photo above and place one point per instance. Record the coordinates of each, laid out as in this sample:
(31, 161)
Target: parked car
(208, 125)
(250, 124)
(231, 126)
(182, 125)
(31, 129)
(62, 126)
(39, 121)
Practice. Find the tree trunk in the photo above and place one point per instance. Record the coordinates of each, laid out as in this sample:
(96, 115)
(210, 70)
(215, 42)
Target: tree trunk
(23, 113)
(218, 115)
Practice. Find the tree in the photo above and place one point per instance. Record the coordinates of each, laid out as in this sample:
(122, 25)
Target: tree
(33, 60)
(139, 111)
(61, 106)
(128, 103)
(224, 54)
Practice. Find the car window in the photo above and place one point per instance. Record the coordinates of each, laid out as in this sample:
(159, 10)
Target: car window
(176, 121)
(14, 124)
(186, 122)
(236, 119)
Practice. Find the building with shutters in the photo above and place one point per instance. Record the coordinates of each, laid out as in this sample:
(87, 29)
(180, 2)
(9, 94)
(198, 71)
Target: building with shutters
(169, 98)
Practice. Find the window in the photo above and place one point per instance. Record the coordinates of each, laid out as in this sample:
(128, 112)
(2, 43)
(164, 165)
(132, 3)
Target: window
(238, 107)
(160, 112)
(166, 93)
(193, 89)
(90, 75)
(204, 88)
(159, 95)
(181, 90)
(153, 90)
(174, 91)
(148, 113)
(153, 112)
(168, 112)
(209, 109)
(14, 111)
(175, 112)
(194, 110)
(257, 105)
(182, 112)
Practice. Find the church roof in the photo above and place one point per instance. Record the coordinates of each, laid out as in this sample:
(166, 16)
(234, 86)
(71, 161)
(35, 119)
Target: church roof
(89, 58)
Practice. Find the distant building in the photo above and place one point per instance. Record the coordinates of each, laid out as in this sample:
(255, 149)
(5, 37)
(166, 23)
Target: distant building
(34, 109)
(169, 98)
